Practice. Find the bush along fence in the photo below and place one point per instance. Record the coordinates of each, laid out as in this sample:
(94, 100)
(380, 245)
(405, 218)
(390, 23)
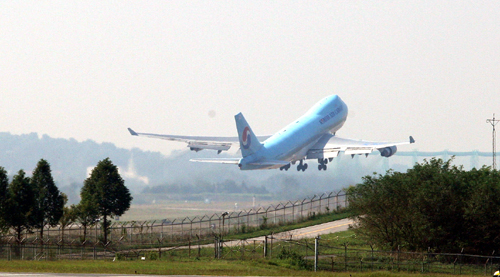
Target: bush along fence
(170, 231)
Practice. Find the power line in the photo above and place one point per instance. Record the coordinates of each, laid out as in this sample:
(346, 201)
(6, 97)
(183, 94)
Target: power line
(493, 122)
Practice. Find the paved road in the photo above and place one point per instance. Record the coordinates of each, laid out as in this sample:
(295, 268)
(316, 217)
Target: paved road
(306, 232)
(315, 230)
(321, 229)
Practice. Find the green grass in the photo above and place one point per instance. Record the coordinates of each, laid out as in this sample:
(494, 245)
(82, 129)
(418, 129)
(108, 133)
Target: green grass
(345, 237)
(198, 267)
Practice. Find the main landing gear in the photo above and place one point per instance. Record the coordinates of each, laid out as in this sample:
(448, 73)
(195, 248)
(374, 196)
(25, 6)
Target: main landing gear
(302, 166)
(323, 163)
(286, 167)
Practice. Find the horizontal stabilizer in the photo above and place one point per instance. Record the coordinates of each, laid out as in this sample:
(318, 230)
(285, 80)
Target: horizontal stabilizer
(218, 161)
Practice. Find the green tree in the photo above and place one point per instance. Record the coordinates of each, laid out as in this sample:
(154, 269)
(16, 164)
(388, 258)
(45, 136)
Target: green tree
(20, 200)
(68, 217)
(86, 213)
(482, 210)
(4, 183)
(106, 190)
(49, 201)
(434, 204)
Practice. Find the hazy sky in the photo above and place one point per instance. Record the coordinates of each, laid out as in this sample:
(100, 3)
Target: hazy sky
(90, 69)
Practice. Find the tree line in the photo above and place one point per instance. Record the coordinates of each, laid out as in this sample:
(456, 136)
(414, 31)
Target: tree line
(435, 205)
(28, 203)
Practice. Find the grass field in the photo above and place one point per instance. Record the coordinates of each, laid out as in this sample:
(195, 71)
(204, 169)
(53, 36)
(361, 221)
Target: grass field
(195, 267)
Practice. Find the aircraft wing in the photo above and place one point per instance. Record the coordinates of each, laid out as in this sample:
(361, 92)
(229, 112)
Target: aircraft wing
(198, 143)
(329, 146)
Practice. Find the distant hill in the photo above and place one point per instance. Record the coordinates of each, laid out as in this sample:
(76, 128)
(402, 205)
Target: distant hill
(71, 161)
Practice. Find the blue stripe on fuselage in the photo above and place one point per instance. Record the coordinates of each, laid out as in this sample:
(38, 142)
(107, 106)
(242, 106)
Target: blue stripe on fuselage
(293, 142)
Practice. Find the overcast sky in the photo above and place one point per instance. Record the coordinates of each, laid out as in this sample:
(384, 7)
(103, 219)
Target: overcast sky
(90, 69)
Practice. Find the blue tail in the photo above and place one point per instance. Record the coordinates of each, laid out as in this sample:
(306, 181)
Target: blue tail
(249, 143)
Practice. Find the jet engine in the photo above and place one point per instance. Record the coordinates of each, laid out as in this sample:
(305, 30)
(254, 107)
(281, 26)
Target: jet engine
(388, 151)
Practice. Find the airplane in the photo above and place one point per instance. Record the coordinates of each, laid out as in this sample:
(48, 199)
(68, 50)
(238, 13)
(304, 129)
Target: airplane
(311, 136)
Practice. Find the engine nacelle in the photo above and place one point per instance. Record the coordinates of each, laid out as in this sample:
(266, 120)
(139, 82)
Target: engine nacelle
(388, 151)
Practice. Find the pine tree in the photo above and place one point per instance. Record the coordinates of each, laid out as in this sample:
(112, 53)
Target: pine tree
(4, 183)
(49, 201)
(106, 190)
(20, 204)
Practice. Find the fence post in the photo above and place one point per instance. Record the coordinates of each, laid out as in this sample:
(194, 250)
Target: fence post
(337, 202)
(316, 250)
(461, 255)
(492, 257)
(216, 248)
(284, 214)
(199, 246)
(328, 201)
(397, 258)
(371, 264)
(319, 208)
(265, 246)
(221, 242)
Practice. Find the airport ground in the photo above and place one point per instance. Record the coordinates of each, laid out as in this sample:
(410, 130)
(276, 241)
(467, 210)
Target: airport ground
(180, 209)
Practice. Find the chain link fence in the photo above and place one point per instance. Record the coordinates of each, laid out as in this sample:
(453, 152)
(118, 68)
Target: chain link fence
(168, 231)
(307, 254)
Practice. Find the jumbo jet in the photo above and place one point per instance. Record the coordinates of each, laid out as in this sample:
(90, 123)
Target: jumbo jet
(311, 136)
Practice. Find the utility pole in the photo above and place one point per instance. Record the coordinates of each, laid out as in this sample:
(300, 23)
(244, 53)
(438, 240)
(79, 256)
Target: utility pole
(494, 122)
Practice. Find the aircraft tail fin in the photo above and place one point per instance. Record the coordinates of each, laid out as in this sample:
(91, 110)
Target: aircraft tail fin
(249, 143)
